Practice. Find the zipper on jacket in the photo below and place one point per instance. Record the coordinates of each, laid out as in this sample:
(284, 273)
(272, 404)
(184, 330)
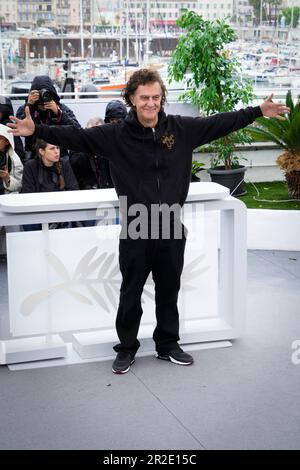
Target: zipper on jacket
(157, 168)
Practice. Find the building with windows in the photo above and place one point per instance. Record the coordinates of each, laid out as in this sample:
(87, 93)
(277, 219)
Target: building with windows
(8, 13)
(33, 13)
(67, 12)
(243, 13)
(61, 11)
(167, 12)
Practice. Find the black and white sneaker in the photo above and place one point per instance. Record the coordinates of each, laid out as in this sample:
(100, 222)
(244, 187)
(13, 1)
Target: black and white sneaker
(177, 356)
(122, 363)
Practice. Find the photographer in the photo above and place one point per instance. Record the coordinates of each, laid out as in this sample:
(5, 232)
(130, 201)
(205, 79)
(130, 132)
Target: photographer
(45, 108)
(11, 167)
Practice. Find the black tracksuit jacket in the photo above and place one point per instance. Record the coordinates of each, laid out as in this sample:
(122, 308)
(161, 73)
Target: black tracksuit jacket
(150, 166)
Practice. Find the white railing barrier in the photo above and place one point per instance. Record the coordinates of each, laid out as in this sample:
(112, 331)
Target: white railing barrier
(68, 279)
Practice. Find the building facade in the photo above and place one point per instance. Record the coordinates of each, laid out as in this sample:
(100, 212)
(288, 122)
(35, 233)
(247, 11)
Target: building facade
(56, 13)
(65, 15)
(34, 13)
(167, 12)
(8, 12)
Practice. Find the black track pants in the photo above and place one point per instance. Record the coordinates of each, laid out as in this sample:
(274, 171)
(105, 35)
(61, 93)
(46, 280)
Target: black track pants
(137, 259)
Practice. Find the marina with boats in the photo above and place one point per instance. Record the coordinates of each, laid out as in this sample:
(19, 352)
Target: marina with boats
(102, 62)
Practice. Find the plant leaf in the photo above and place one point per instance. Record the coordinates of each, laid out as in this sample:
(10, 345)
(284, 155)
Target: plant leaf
(110, 295)
(115, 288)
(31, 302)
(115, 270)
(262, 134)
(98, 298)
(194, 274)
(105, 266)
(83, 265)
(80, 297)
(59, 267)
(149, 294)
(187, 288)
(194, 263)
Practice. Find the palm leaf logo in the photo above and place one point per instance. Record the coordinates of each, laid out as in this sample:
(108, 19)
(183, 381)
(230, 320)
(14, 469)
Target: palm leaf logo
(108, 275)
(105, 269)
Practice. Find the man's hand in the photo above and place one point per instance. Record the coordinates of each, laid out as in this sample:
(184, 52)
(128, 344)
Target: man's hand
(52, 106)
(270, 109)
(22, 127)
(33, 97)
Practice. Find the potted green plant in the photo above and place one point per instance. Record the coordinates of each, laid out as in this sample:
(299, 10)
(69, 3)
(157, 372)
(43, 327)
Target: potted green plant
(285, 133)
(214, 86)
(196, 167)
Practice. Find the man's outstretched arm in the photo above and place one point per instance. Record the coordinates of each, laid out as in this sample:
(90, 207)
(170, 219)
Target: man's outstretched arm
(205, 130)
(94, 141)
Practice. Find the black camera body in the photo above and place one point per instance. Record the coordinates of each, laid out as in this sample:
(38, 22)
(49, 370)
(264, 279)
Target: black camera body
(45, 96)
(3, 160)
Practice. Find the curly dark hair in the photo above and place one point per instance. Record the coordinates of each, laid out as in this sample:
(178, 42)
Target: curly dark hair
(143, 77)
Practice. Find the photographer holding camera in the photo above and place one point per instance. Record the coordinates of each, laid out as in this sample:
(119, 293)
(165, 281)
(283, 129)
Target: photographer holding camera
(11, 168)
(45, 108)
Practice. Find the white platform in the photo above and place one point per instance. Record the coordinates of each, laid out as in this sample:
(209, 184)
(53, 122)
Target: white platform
(65, 265)
(32, 349)
(87, 199)
(100, 343)
(74, 358)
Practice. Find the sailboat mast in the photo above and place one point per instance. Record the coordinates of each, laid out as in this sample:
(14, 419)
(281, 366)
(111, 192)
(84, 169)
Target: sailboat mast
(127, 30)
(146, 56)
(120, 27)
(81, 28)
(92, 9)
(136, 33)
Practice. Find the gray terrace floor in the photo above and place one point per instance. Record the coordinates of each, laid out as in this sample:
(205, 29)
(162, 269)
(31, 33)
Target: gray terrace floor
(242, 397)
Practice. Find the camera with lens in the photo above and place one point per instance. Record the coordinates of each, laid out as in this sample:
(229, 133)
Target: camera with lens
(3, 160)
(45, 96)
